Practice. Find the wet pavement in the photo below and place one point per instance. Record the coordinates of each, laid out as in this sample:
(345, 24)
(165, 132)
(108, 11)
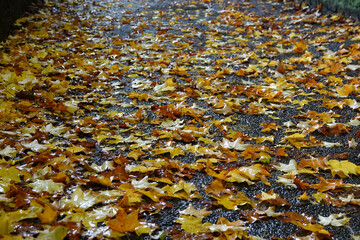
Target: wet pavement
(239, 108)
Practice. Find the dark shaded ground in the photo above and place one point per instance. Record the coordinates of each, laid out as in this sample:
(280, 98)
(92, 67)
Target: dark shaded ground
(346, 7)
(12, 10)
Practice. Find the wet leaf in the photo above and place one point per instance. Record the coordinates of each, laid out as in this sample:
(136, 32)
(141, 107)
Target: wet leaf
(215, 116)
(6, 226)
(233, 201)
(343, 168)
(327, 184)
(335, 220)
(49, 214)
(124, 222)
(272, 198)
(46, 186)
(192, 224)
(10, 174)
(190, 210)
(8, 152)
(35, 146)
(314, 163)
(59, 232)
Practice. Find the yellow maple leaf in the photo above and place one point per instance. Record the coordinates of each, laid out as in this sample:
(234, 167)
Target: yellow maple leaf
(345, 90)
(207, 141)
(304, 197)
(303, 222)
(173, 151)
(269, 126)
(264, 139)
(312, 227)
(10, 173)
(297, 139)
(135, 154)
(225, 110)
(187, 187)
(192, 224)
(133, 95)
(231, 201)
(301, 103)
(59, 233)
(255, 172)
(320, 196)
(75, 149)
(343, 168)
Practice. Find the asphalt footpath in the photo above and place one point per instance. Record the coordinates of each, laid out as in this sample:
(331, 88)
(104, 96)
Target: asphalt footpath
(258, 84)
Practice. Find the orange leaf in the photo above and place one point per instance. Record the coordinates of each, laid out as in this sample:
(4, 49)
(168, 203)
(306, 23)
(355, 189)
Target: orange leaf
(61, 107)
(300, 46)
(184, 136)
(105, 181)
(281, 152)
(124, 222)
(327, 184)
(49, 215)
(335, 68)
(251, 153)
(334, 129)
(304, 222)
(345, 90)
(314, 163)
(272, 198)
(217, 188)
(280, 68)
(300, 185)
(269, 126)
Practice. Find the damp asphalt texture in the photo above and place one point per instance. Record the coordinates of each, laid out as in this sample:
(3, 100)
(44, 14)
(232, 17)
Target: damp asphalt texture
(248, 124)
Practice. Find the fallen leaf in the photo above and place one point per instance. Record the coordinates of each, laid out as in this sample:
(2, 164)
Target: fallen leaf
(49, 215)
(124, 222)
(190, 210)
(59, 233)
(192, 224)
(335, 220)
(46, 186)
(343, 168)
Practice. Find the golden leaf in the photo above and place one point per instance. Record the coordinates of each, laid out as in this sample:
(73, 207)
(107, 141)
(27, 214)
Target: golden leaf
(345, 90)
(49, 215)
(124, 222)
(192, 224)
(343, 168)
(135, 154)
